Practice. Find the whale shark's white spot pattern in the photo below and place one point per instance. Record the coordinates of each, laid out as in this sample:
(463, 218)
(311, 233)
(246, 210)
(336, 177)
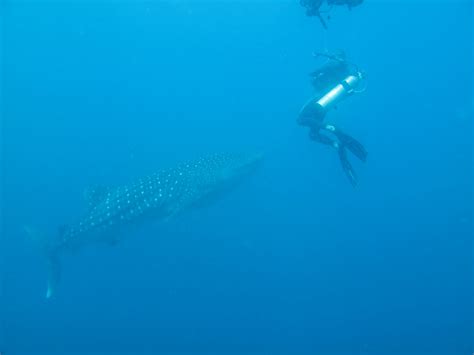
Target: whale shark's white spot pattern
(157, 195)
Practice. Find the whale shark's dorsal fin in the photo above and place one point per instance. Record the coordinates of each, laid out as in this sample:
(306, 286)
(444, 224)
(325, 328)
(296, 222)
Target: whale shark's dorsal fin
(96, 194)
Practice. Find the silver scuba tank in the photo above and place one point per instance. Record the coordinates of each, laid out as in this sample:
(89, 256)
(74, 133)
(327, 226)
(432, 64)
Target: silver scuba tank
(318, 107)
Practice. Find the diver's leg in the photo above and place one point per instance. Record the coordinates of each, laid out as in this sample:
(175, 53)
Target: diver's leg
(307, 120)
(349, 142)
(315, 135)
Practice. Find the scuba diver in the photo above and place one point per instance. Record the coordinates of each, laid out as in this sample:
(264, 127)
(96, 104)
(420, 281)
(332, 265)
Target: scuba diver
(313, 7)
(334, 81)
(350, 3)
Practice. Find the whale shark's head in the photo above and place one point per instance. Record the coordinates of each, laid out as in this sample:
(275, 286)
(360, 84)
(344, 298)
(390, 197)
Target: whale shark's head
(236, 166)
(221, 171)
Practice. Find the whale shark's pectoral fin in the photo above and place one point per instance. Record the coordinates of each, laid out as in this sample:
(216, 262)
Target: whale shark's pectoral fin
(96, 194)
(168, 217)
(112, 240)
(171, 212)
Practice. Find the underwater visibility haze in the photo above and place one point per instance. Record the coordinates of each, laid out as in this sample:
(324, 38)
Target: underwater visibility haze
(167, 186)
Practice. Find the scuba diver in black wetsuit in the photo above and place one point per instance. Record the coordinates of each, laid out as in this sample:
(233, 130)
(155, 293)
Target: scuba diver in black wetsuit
(333, 82)
(335, 68)
(313, 7)
(350, 3)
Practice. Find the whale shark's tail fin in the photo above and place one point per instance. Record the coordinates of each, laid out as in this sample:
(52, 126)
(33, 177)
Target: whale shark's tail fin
(44, 244)
(54, 274)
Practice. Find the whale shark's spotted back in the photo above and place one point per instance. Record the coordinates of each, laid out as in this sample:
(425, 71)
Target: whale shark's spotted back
(157, 196)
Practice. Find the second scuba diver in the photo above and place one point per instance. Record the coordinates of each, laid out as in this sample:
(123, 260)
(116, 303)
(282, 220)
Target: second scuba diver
(313, 7)
(333, 82)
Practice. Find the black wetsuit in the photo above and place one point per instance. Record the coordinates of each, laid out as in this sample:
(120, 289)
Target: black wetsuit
(349, 3)
(312, 9)
(332, 72)
(312, 115)
(312, 6)
(323, 80)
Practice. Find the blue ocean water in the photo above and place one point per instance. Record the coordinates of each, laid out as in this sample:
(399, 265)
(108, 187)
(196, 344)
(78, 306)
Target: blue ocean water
(294, 259)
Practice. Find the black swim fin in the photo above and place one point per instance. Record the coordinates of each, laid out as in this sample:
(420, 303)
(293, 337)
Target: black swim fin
(346, 165)
(353, 145)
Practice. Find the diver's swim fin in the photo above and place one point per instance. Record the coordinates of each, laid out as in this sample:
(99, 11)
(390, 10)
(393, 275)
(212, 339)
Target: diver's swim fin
(346, 165)
(353, 145)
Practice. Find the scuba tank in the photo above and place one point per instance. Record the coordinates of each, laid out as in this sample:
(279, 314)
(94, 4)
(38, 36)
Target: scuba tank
(318, 107)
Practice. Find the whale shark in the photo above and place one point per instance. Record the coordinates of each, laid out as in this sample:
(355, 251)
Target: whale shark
(157, 197)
